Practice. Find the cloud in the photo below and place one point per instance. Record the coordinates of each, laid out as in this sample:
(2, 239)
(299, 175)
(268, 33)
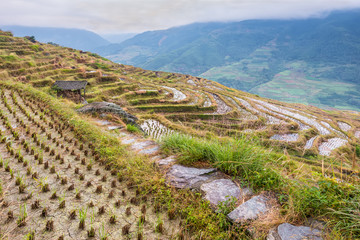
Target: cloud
(142, 15)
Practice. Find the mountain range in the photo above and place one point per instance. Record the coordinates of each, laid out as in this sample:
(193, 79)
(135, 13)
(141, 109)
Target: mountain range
(313, 61)
(67, 37)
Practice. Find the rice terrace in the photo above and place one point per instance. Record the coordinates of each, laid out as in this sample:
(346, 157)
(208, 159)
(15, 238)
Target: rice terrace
(157, 155)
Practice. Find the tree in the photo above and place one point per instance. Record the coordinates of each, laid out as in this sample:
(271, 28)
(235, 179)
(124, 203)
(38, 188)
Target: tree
(31, 39)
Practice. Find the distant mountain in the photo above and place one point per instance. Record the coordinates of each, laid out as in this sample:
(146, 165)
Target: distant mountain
(118, 38)
(74, 38)
(314, 61)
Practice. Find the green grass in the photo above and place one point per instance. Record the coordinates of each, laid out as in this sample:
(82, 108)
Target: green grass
(10, 58)
(249, 162)
(133, 129)
(239, 157)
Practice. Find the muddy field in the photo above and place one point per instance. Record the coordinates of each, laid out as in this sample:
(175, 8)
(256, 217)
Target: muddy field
(55, 187)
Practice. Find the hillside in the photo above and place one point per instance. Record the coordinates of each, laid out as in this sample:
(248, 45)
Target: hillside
(118, 38)
(66, 37)
(314, 61)
(294, 163)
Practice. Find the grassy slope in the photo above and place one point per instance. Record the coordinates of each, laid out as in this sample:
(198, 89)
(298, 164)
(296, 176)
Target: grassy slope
(198, 218)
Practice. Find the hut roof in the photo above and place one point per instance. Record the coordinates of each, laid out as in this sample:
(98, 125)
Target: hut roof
(70, 85)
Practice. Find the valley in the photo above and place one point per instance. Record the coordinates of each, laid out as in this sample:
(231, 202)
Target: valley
(277, 59)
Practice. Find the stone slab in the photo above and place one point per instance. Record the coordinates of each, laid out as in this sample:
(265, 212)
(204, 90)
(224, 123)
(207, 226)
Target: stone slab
(128, 140)
(103, 122)
(166, 161)
(287, 231)
(250, 210)
(187, 177)
(220, 190)
(150, 151)
(141, 145)
(273, 235)
(114, 127)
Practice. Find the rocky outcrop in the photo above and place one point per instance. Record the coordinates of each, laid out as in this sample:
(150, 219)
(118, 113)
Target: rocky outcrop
(107, 107)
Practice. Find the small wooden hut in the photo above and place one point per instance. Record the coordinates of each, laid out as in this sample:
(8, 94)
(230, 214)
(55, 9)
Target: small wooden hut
(68, 88)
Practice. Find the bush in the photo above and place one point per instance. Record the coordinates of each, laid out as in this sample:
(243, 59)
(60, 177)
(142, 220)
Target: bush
(132, 128)
(35, 47)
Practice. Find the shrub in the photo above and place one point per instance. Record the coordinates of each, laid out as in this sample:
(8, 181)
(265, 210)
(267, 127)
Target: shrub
(132, 128)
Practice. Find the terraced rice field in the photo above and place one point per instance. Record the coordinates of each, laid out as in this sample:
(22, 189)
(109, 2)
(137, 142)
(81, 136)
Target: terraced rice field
(183, 103)
(56, 187)
(155, 129)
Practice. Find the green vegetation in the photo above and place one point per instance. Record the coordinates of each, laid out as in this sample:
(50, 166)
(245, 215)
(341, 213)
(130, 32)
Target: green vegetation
(240, 157)
(10, 58)
(199, 219)
(132, 128)
(246, 160)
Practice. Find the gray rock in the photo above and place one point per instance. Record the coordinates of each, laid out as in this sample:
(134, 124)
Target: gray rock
(187, 177)
(114, 127)
(273, 235)
(156, 158)
(150, 151)
(287, 231)
(250, 210)
(221, 190)
(103, 122)
(141, 145)
(129, 140)
(104, 107)
(166, 161)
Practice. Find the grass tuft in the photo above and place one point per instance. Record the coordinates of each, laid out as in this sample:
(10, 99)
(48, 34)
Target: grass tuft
(240, 157)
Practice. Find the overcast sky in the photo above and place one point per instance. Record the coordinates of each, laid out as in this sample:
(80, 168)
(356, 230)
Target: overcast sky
(112, 16)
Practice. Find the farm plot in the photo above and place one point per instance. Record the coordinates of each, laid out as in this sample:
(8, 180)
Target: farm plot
(56, 187)
(178, 95)
(312, 122)
(155, 129)
(222, 107)
(357, 134)
(266, 105)
(344, 126)
(332, 144)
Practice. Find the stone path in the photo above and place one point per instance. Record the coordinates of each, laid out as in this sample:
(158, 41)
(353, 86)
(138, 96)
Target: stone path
(216, 187)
